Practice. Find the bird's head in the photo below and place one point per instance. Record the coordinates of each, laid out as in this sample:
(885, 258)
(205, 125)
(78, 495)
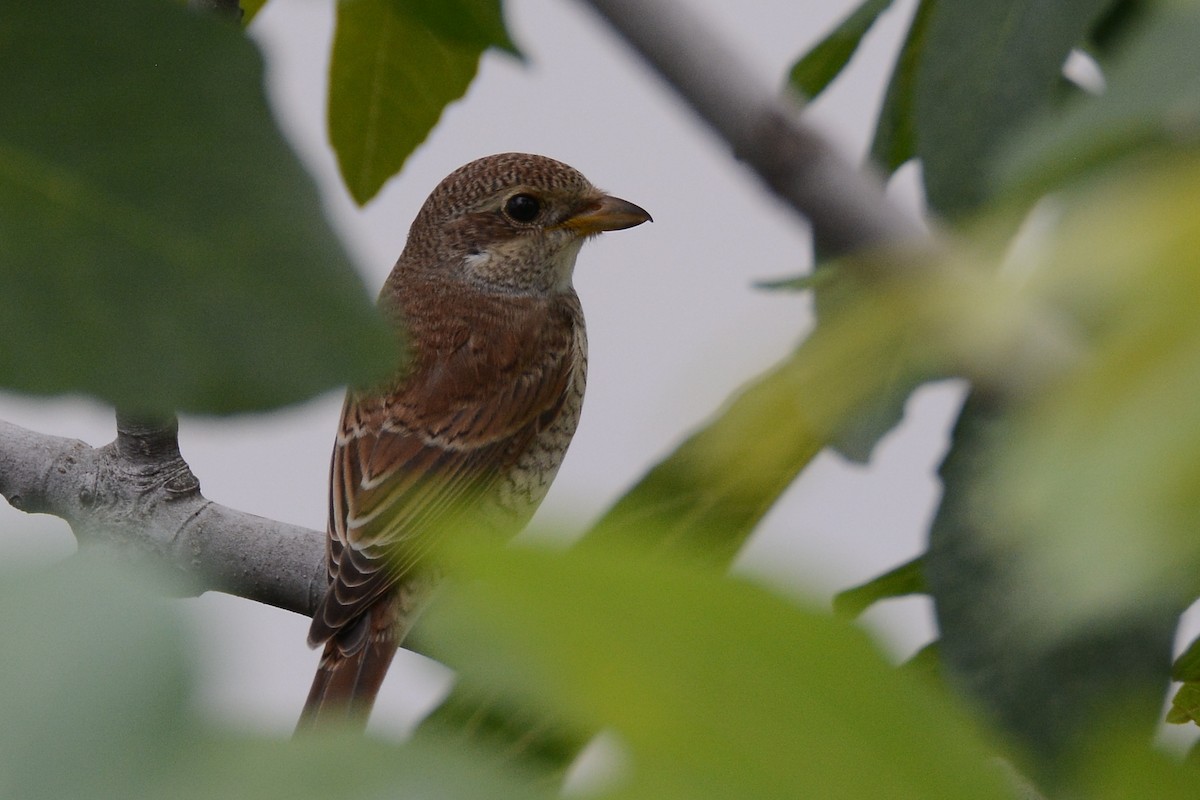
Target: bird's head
(513, 222)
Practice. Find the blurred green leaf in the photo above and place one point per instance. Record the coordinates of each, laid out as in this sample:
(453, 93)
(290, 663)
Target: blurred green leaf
(1112, 29)
(883, 411)
(984, 69)
(98, 704)
(1187, 666)
(1106, 462)
(1115, 766)
(718, 688)
(904, 580)
(813, 72)
(925, 663)
(250, 9)
(94, 680)
(706, 497)
(347, 766)
(1065, 545)
(1185, 705)
(795, 283)
(1152, 99)
(160, 245)
(1045, 684)
(483, 717)
(895, 140)
(395, 68)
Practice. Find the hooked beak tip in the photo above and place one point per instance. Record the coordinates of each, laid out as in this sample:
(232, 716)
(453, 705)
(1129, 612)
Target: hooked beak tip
(608, 213)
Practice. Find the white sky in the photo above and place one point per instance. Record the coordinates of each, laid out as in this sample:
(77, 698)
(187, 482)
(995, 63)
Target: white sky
(673, 324)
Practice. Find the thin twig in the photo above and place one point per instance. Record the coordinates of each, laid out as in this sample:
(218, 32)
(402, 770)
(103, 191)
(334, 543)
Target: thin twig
(846, 205)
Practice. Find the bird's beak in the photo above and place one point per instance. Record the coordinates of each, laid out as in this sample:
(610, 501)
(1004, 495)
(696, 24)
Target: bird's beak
(606, 213)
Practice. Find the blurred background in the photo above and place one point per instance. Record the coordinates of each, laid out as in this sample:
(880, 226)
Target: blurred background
(674, 323)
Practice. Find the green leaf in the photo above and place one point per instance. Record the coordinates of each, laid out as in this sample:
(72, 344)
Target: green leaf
(895, 140)
(538, 742)
(926, 662)
(1152, 99)
(250, 9)
(884, 410)
(1187, 666)
(472, 22)
(1043, 673)
(904, 580)
(812, 73)
(95, 678)
(705, 498)
(1065, 547)
(322, 765)
(717, 688)
(1185, 705)
(795, 283)
(984, 69)
(1112, 29)
(1104, 463)
(394, 69)
(98, 703)
(160, 245)
(1118, 766)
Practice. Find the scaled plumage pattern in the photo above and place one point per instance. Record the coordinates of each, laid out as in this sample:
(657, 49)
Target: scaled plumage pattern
(470, 433)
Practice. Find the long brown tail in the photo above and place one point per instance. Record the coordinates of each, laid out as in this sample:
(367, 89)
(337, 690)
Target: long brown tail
(350, 673)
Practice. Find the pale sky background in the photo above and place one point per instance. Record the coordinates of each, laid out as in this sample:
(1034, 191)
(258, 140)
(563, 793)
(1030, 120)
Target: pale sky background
(673, 322)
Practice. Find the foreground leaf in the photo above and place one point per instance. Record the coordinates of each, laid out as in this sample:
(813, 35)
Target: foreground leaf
(704, 499)
(395, 67)
(1185, 703)
(162, 247)
(94, 677)
(98, 704)
(904, 580)
(895, 138)
(474, 22)
(250, 9)
(319, 766)
(1104, 463)
(984, 69)
(817, 69)
(1065, 549)
(718, 688)
(1115, 766)
(1152, 99)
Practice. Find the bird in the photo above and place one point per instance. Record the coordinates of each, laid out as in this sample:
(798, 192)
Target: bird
(470, 431)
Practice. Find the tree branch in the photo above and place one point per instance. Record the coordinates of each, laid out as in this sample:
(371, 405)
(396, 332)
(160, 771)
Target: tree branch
(137, 497)
(846, 205)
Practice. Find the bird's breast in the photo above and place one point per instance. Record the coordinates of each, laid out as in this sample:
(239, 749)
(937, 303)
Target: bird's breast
(527, 481)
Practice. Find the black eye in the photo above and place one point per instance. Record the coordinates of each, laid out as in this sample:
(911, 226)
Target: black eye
(522, 207)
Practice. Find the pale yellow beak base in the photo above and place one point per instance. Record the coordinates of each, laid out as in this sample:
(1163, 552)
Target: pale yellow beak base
(607, 214)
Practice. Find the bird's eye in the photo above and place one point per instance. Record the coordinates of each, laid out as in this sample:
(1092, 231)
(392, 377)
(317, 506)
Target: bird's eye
(522, 207)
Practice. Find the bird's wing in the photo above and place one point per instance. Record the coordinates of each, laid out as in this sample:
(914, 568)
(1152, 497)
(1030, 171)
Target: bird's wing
(414, 463)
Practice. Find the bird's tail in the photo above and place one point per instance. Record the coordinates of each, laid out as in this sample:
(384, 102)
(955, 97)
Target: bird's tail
(350, 674)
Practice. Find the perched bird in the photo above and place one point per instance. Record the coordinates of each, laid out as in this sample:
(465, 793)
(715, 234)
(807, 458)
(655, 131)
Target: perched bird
(472, 430)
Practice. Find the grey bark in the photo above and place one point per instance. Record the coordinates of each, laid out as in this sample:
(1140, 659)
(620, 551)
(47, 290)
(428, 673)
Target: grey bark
(136, 496)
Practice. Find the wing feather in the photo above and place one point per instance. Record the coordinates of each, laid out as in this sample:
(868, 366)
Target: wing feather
(415, 462)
